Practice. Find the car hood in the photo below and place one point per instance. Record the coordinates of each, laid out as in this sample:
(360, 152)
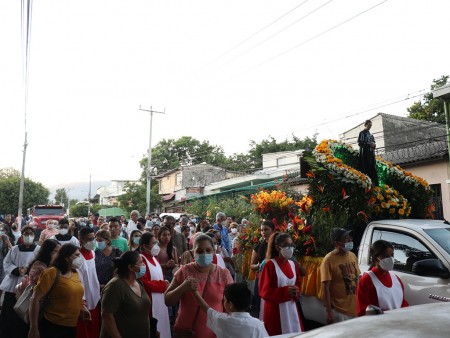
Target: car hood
(428, 320)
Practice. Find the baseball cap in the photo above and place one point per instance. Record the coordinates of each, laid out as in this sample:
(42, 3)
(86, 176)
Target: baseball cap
(338, 233)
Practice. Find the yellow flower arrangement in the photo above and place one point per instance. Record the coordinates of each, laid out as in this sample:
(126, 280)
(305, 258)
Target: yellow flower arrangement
(274, 202)
(389, 203)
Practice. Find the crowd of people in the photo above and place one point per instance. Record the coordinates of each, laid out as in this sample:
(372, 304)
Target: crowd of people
(153, 277)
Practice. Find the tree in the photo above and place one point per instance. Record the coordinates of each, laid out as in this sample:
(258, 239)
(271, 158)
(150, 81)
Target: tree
(270, 145)
(61, 197)
(9, 172)
(135, 197)
(170, 154)
(34, 193)
(430, 109)
(79, 210)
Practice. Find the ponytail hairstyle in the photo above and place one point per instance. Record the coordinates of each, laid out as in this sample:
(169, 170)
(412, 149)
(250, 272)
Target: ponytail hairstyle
(146, 238)
(121, 264)
(268, 223)
(276, 238)
(377, 249)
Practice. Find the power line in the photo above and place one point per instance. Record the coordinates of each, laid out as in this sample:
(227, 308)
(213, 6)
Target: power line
(257, 32)
(314, 37)
(276, 33)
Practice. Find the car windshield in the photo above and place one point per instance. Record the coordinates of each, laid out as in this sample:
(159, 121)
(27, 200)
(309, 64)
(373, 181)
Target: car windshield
(441, 236)
(48, 211)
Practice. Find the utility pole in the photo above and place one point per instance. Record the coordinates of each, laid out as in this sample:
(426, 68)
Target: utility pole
(149, 155)
(89, 196)
(26, 14)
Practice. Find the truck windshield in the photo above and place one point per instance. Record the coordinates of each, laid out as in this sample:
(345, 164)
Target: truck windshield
(441, 236)
(48, 211)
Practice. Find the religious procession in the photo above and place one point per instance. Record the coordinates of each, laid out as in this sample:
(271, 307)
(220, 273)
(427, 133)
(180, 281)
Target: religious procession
(218, 275)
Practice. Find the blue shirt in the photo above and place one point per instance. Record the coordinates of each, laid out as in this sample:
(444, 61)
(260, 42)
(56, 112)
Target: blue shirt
(225, 240)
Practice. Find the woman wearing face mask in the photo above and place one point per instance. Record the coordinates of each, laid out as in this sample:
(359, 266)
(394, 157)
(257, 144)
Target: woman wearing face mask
(380, 286)
(233, 235)
(202, 275)
(217, 259)
(154, 283)
(105, 255)
(15, 266)
(64, 236)
(125, 304)
(65, 298)
(133, 242)
(51, 231)
(279, 286)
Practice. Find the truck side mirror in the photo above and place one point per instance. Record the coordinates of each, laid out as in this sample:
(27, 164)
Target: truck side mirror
(430, 267)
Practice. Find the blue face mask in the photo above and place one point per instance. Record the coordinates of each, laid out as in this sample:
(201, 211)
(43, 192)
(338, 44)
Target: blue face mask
(101, 245)
(204, 260)
(141, 271)
(136, 240)
(348, 246)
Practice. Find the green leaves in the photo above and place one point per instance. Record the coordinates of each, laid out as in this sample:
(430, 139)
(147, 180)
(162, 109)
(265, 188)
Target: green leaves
(34, 193)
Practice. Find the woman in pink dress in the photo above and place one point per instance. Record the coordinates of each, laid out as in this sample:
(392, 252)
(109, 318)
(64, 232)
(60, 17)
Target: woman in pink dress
(202, 275)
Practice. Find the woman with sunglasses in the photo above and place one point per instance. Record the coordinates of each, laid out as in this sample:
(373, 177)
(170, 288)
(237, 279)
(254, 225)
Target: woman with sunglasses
(279, 286)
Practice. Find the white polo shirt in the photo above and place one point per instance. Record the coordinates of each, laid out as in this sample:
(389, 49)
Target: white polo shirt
(235, 324)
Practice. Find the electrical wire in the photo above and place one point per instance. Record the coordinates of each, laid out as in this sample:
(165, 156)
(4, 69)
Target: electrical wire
(312, 38)
(257, 32)
(276, 33)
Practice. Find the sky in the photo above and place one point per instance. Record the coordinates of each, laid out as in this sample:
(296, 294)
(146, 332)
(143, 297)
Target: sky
(223, 71)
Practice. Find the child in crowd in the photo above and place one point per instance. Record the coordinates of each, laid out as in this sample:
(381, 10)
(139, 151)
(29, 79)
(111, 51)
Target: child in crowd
(237, 322)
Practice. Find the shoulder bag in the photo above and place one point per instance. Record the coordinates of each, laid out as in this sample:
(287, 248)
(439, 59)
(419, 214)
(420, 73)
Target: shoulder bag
(22, 305)
(190, 333)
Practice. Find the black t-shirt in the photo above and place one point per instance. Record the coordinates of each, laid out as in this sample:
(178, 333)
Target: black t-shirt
(261, 249)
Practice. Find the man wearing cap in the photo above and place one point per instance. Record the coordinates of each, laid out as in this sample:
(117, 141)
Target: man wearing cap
(339, 276)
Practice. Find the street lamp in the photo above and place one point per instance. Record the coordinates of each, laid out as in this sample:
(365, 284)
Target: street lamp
(149, 155)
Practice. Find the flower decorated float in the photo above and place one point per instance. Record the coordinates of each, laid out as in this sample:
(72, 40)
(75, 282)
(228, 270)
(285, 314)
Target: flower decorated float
(339, 195)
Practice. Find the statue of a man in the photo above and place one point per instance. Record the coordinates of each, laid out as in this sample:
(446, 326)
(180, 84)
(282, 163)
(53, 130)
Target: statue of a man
(367, 163)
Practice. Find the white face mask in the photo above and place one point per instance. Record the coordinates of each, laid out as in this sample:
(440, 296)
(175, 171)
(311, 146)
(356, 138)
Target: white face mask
(89, 245)
(77, 262)
(155, 250)
(387, 264)
(216, 247)
(63, 231)
(224, 223)
(287, 252)
(28, 239)
(233, 230)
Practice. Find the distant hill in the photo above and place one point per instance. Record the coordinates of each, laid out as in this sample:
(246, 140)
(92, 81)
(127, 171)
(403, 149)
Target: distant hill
(78, 190)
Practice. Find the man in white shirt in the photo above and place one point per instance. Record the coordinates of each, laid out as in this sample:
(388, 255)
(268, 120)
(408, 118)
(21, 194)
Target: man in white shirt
(132, 223)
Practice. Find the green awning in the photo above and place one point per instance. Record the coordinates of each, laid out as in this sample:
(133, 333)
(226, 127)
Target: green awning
(111, 212)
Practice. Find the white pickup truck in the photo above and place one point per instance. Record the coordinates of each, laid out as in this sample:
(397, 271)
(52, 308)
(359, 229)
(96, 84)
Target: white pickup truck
(422, 259)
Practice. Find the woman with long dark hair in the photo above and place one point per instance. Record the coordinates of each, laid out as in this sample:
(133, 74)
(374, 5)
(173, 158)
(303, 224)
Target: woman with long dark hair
(259, 252)
(66, 297)
(125, 304)
(154, 283)
(380, 286)
(279, 286)
(168, 256)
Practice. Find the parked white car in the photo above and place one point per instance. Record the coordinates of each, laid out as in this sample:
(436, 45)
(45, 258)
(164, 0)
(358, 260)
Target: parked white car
(420, 321)
(422, 260)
